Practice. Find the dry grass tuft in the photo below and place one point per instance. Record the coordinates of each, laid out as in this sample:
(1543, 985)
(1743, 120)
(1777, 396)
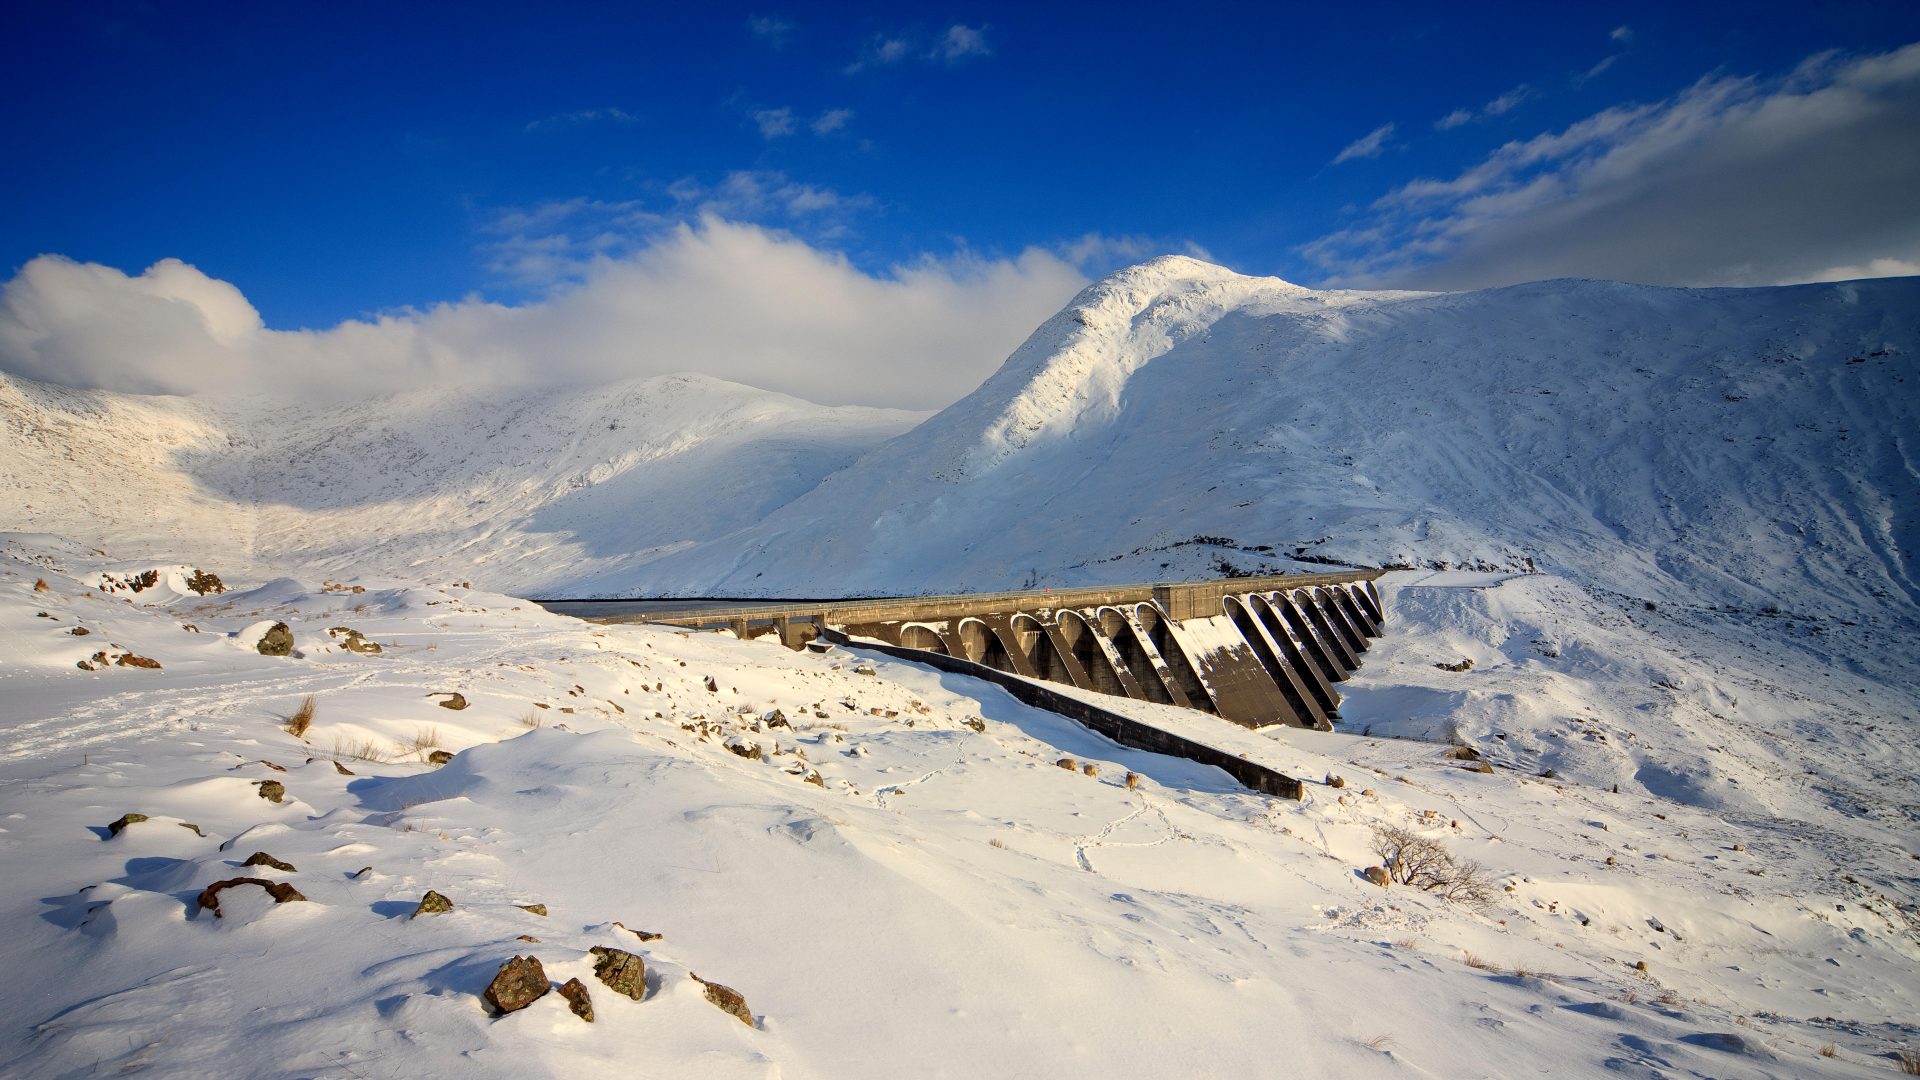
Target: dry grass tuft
(1477, 963)
(40, 585)
(1379, 1044)
(999, 843)
(1407, 943)
(532, 719)
(1133, 780)
(302, 717)
(361, 750)
(424, 741)
(1910, 1063)
(1829, 1050)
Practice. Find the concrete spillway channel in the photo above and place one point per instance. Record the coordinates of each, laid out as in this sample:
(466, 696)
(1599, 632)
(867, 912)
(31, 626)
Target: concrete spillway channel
(1256, 651)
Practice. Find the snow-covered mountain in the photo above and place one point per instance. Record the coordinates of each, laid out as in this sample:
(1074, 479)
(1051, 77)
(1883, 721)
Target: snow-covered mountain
(1723, 445)
(541, 492)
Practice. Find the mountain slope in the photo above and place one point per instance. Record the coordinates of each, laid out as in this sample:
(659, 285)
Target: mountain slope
(1727, 445)
(540, 492)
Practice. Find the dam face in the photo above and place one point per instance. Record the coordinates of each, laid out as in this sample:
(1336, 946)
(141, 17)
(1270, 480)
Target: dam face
(1255, 651)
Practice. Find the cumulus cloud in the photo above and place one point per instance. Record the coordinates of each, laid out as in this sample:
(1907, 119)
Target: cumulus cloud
(730, 300)
(774, 122)
(1733, 181)
(1366, 146)
(959, 43)
(831, 121)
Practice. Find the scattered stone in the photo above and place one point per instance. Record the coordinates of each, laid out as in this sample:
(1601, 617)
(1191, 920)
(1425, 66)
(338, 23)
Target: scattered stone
(813, 777)
(622, 971)
(726, 999)
(712, 686)
(1377, 875)
(271, 765)
(1334, 781)
(261, 858)
(775, 719)
(1639, 965)
(1133, 780)
(125, 820)
(203, 583)
(455, 700)
(432, 904)
(1090, 769)
(1463, 665)
(1067, 763)
(353, 641)
(83, 665)
(1739, 847)
(40, 585)
(864, 669)
(277, 641)
(578, 999)
(362, 872)
(978, 725)
(79, 631)
(130, 660)
(342, 769)
(280, 891)
(272, 790)
(643, 935)
(191, 825)
(529, 937)
(745, 748)
(537, 909)
(519, 983)
(439, 757)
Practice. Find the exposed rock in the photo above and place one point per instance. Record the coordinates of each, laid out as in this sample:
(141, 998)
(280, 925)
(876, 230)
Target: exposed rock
(537, 909)
(439, 757)
(124, 820)
(775, 719)
(79, 631)
(271, 765)
(578, 999)
(191, 825)
(746, 748)
(40, 585)
(1090, 769)
(529, 938)
(726, 999)
(712, 686)
(261, 858)
(864, 669)
(204, 583)
(1378, 875)
(454, 699)
(1336, 781)
(272, 790)
(432, 904)
(1466, 664)
(353, 641)
(277, 641)
(130, 660)
(622, 971)
(342, 769)
(643, 935)
(362, 872)
(519, 983)
(280, 891)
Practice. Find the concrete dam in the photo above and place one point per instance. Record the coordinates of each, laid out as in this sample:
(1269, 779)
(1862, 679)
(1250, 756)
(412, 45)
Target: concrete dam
(1256, 650)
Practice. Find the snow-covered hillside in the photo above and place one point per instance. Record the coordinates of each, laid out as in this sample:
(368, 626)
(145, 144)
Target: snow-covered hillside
(1731, 446)
(540, 492)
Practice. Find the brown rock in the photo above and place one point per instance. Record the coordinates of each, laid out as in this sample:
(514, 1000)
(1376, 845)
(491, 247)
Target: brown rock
(1377, 875)
(1336, 781)
(432, 904)
(452, 699)
(439, 757)
(623, 972)
(277, 641)
(519, 983)
(79, 631)
(342, 769)
(578, 999)
(537, 909)
(643, 935)
(261, 858)
(726, 999)
(280, 891)
(1067, 763)
(130, 660)
(124, 820)
(273, 790)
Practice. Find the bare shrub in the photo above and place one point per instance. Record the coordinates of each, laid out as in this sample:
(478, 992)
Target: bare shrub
(1910, 1062)
(40, 585)
(1426, 864)
(302, 717)
(1477, 963)
(1829, 1050)
(532, 719)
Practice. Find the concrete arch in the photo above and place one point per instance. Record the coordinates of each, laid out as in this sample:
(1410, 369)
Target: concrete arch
(924, 638)
(1313, 682)
(1296, 612)
(1133, 656)
(1329, 604)
(1369, 598)
(1030, 639)
(1175, 664)
(1299, 708)
(1084, 645)
(983, 646)
(1356, 615)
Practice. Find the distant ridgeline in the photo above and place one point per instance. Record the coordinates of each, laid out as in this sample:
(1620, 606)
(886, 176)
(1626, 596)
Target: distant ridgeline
(1254, 650)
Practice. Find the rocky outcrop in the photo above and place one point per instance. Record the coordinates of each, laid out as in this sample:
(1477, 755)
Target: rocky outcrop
(519, 983)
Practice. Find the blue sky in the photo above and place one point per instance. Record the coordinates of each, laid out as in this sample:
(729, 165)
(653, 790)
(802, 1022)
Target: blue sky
(339, 161)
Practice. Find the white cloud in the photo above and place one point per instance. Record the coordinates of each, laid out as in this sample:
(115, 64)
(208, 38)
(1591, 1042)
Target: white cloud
(771, 29)
(1598, 69)
(1732, 181)
(774, 122)
(1499, 106)
(583, 117)
(1621, 33)
(831, 121)
(730, 300)
(959, 43)
(1366, 146)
